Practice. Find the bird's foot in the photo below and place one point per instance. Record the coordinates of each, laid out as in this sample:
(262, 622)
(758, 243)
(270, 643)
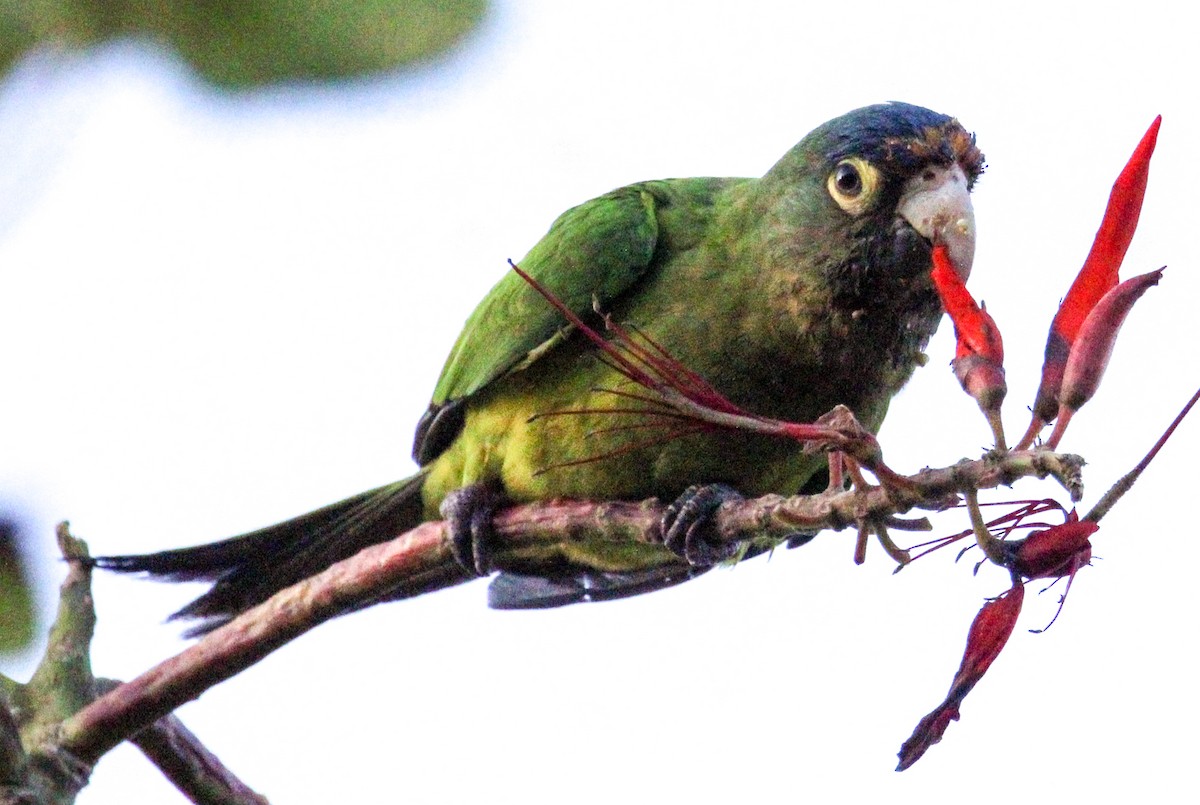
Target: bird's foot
(468, 513)
(689, 529)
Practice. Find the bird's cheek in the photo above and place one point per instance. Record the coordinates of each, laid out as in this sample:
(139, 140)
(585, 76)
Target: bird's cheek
(912, 254)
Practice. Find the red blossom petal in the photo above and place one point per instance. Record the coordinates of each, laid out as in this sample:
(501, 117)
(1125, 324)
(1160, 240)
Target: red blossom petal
(1093, 347)
(1100, 269)
(1055, 552)
(975, 330)
(1099, 272)
(979, 355)
(989, 632)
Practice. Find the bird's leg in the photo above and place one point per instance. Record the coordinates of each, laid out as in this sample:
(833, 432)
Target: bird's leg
(468, 513)
(688, 527)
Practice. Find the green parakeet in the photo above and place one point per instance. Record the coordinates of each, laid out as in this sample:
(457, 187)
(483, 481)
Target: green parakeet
(790, 294)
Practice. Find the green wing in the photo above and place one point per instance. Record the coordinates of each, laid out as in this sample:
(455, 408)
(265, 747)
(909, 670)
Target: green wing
(597, 249)
(594, 251)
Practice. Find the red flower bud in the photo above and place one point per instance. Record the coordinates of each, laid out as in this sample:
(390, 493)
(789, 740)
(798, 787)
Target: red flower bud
(1093, 347)
(979, 357)
(1097, 276)
(989, 632)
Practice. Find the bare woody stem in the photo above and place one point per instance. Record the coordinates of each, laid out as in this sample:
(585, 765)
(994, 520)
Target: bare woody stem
(987, 542)
(420, 561)
(187, 763)
(1125, 482)
(35, 767)
(412, 558)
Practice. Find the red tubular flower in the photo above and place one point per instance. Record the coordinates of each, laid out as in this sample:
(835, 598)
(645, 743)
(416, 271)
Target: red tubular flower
(979, 357)
(989, 632)
(1093, 347)
(1051, 553)
(1097, 277)
(1055, 552)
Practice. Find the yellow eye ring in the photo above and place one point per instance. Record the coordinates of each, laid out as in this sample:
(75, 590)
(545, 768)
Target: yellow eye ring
(853, 184)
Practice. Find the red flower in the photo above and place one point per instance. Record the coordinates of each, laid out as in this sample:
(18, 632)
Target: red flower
(1055, 552)
(1093, 347)
(989, 632)
(979, 358)
(1096, 278)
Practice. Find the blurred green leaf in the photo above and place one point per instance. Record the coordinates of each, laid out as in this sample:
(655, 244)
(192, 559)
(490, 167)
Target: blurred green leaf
(251, 42)
(16, 598)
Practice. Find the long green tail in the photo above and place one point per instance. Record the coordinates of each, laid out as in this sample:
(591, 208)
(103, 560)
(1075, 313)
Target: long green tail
(248, 569)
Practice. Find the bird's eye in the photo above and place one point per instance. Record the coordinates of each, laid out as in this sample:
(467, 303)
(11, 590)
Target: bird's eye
(853, 184)
(848, 182)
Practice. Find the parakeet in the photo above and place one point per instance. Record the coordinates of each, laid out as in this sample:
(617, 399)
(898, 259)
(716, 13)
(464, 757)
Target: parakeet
(790, 294)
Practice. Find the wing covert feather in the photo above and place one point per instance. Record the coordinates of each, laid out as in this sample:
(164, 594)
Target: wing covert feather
(597, 249)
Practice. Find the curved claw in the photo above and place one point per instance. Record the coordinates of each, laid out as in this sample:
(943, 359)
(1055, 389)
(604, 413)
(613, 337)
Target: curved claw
(468, 513)
(688, 527)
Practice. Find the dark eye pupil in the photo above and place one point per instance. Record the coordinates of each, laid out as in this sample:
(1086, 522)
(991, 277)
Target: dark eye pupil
(847, 180)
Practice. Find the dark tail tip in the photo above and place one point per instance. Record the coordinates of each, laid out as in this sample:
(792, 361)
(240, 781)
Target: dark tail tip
(248, 569)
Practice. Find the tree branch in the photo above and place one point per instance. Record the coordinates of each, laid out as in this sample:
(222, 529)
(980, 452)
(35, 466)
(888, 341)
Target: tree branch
(421, 561)
(60, 686)
(187, 763)
(416, 556)
(36, 768)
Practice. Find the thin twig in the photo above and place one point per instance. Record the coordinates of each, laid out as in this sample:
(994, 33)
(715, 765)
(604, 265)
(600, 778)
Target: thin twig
(187, 763)
(1125, 483)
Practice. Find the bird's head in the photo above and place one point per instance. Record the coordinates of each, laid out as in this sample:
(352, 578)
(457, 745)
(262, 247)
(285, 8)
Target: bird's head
(892, 179)
(855, 208)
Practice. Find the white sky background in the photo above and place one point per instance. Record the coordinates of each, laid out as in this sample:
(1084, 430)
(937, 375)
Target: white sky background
(222, 311)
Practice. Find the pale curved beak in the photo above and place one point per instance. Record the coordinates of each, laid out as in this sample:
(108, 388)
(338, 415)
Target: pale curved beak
(937, 203)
